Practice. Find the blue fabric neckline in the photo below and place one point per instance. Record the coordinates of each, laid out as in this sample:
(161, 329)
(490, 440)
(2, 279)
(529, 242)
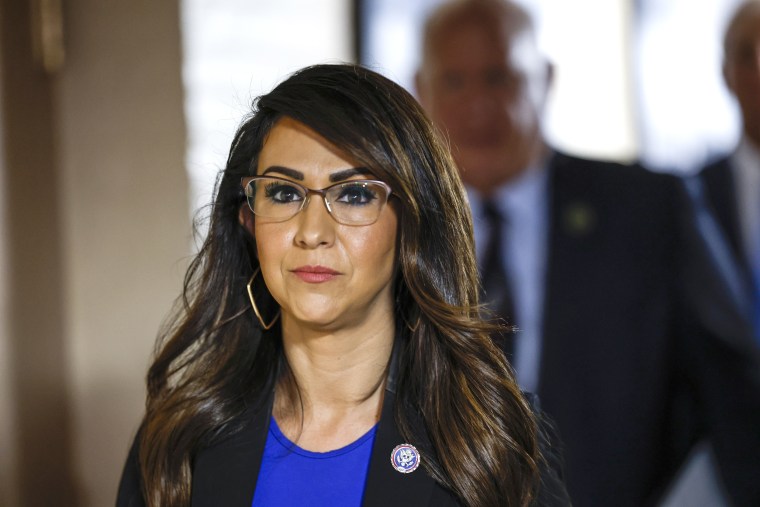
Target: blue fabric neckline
(284, 441)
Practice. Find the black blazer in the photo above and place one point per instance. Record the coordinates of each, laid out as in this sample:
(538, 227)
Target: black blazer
(643, 353)
(225, 473)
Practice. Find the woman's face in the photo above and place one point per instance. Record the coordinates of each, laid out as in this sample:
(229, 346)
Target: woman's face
(323, 274)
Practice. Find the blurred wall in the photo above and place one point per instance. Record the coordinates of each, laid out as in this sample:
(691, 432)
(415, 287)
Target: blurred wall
(96, 236)
(37, 461)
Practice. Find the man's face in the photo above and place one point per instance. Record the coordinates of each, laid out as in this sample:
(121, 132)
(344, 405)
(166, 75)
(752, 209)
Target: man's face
(485, 89)
(742, 70)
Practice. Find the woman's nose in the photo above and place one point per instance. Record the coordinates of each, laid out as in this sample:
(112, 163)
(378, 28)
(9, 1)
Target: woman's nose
(315, 225)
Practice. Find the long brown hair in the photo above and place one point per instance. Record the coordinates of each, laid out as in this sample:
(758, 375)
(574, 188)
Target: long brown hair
(214, 359)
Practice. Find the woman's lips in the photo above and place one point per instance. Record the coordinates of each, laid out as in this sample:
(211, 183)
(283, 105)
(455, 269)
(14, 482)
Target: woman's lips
(314, 274)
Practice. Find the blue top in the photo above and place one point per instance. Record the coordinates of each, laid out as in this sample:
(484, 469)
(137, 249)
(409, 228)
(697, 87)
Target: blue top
(291, 476)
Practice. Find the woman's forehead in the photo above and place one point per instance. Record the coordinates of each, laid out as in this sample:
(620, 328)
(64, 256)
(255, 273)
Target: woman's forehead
(296, 147)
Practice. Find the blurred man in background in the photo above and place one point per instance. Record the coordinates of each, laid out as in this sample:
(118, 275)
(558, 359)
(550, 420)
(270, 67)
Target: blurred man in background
(627, 331)
(733, 183)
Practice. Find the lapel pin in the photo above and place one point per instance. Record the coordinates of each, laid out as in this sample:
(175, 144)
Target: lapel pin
(405, 458)
(578, 219)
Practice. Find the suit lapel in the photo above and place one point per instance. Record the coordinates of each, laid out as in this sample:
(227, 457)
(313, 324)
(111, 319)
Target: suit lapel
(572, 220)
(721, 194)
(570, 288)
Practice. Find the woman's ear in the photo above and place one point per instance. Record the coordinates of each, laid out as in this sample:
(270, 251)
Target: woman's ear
(245, 217)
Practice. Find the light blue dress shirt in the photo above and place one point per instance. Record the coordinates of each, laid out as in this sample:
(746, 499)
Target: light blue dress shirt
(524, 203)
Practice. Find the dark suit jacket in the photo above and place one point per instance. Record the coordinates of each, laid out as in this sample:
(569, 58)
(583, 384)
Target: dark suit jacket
(225, 473)
(643, 353)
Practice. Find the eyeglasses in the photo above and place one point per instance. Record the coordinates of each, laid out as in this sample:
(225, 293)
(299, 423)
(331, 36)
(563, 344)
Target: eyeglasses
(354, 202)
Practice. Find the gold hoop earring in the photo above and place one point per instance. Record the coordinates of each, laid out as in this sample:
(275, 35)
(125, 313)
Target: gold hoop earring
(410, 327)
(256, 308)
(415, 326)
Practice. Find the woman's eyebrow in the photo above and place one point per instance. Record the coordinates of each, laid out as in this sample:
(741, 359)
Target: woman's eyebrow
(292, 173)
(348, 173)
(334, 177)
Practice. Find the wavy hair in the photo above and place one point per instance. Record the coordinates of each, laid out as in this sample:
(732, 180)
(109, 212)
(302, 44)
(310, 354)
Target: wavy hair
(213, 359)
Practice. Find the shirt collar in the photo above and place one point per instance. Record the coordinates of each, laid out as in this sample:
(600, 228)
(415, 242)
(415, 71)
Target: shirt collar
(747, 154)
(517, 196)
(745, 164)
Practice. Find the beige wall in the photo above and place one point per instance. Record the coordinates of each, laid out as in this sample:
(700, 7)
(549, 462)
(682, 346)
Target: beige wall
(95, 224)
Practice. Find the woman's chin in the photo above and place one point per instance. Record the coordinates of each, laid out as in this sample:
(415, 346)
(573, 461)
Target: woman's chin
(314, 319)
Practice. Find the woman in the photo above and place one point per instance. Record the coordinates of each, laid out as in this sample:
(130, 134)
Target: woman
(329, 349)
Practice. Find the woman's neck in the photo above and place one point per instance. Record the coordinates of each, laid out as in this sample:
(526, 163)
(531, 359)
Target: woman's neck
(339, 378)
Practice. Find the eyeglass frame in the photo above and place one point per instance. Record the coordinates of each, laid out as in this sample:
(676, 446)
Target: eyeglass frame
(322, 192)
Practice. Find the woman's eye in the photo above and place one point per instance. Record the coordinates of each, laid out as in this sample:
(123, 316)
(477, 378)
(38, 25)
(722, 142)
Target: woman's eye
(356, 195)
(279, 192)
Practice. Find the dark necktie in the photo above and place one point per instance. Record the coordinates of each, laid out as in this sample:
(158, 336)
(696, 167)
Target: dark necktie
(756, 309)
(497, 294)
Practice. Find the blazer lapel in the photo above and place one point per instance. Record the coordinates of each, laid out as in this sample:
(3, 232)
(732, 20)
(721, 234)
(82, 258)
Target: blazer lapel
(385, 486)
(226, 473)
